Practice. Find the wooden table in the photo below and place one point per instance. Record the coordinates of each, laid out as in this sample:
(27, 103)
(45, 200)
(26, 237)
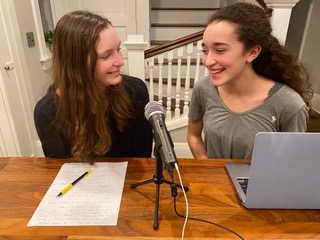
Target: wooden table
(24, 182)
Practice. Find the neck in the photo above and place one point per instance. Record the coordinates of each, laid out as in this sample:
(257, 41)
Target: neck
(249, 83)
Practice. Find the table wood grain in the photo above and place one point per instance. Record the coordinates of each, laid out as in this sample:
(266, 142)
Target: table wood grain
(211, 197)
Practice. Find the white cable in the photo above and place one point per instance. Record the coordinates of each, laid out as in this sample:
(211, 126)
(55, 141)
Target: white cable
(185, 197)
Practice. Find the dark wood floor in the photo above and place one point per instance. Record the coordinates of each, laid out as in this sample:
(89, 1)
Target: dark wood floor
(313, 124)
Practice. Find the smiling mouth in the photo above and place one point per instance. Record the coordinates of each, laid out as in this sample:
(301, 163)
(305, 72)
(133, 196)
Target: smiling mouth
(217, 71)
(114, 72)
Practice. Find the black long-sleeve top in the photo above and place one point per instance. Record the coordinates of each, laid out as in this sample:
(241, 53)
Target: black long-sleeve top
(136, 141)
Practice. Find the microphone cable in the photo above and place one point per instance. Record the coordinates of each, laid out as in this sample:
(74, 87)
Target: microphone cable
(174, 194)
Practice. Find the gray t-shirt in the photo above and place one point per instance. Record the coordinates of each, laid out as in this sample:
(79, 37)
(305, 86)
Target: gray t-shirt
(231, 135)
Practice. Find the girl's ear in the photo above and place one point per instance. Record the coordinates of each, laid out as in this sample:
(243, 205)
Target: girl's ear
(253, 53)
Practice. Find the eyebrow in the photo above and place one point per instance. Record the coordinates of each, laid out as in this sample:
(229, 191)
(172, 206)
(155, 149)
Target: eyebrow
(216, 44)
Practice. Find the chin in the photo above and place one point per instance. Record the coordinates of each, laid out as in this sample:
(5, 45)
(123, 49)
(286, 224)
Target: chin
(114, 81)
(216, 82)
(118, 79)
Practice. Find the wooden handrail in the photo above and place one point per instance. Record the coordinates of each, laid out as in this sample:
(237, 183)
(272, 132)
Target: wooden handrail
(173, 44)
(190, 38)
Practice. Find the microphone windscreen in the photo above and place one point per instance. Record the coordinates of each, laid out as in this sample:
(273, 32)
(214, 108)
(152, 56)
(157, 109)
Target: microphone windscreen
(152, 108)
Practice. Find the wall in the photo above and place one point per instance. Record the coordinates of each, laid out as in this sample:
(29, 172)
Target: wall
(16, 88)
(304, 37)
(38, 78)
(310, 52)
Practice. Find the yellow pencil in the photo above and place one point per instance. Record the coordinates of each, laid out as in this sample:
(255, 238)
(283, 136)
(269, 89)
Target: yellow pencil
(67, 188)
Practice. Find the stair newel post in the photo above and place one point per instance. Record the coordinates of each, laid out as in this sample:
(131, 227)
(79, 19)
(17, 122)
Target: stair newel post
(150, 64)
(178, 85)
(187, 83)
(280, 19)
(169, 85)
(135, 46)
(199, 50)
(160, 84)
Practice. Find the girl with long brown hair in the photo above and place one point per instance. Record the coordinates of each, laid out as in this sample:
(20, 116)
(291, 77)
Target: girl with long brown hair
(91, 110)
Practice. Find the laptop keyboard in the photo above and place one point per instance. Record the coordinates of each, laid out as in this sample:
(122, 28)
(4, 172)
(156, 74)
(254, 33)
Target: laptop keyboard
(243, 181)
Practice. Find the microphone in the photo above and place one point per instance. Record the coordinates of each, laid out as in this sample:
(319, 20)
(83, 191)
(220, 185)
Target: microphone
(154, 112)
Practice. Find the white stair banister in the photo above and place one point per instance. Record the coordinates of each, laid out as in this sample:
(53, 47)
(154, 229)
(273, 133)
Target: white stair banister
(187, 82)
(178, 85)
(169, 85)
(199, 51)
(160, 91)
(150, 63)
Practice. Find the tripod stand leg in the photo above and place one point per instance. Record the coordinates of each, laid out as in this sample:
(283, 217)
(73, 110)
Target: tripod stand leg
(141, 183)
(156, 209)
(157, 179)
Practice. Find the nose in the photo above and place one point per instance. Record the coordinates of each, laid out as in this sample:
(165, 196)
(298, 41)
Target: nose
(208, 59)
(118, 61)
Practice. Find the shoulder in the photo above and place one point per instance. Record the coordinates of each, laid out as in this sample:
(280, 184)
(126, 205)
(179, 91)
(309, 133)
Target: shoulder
(287, 102)
(135, 87)
(203, 82)
(134, 82)
(46, 105)
(288, 96)
(137, 90)
(204, 88)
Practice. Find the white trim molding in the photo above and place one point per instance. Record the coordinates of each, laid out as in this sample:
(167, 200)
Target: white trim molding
(135, 46)
(281, 17)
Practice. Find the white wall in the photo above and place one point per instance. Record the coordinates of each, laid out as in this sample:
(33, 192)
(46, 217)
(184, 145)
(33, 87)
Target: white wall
(37, 76)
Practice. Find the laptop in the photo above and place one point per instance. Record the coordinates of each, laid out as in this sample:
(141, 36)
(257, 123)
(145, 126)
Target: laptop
(284, 172)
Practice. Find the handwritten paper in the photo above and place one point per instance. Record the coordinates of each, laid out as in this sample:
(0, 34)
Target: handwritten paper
(94, 200)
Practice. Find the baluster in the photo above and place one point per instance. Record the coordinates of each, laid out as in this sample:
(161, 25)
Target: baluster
(160, 84)
(199, 50)
(178, 85)
(169, 85)
(150, 62)
(206, 71)
(187, 83)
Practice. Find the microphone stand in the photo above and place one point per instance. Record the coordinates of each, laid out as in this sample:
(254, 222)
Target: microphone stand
(158, 179)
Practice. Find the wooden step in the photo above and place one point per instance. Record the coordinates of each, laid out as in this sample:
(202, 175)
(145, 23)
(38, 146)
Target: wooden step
(178, 25)
(186, 16)
(184, 3)
(162, 33)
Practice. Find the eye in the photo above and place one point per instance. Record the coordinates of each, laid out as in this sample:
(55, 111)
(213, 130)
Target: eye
(205, 51)
(220, 50)
(105, 57)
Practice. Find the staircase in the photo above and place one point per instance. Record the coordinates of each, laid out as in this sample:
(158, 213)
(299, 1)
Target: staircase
(171, 20)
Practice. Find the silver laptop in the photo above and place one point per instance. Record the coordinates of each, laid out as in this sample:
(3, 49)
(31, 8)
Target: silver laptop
(284, 172)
